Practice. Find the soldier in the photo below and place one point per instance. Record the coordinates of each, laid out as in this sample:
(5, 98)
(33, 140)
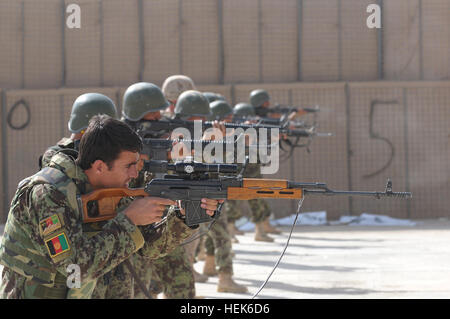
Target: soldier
(172, 274)
(83, 109)
(260, 210)
(260, 100)
(211, 97)
(44, 233)
(192, 105)
(221, 110)
(243, 110)
(173, 86)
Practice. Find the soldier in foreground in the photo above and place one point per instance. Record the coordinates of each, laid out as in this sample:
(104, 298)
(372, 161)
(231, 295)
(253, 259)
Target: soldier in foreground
(44, 233)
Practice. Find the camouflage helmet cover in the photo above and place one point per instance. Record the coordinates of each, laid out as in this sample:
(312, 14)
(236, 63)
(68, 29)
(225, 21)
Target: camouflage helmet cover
(174, 85)
(259, 97)
(192, 103)
(142, 98)
(87, 106)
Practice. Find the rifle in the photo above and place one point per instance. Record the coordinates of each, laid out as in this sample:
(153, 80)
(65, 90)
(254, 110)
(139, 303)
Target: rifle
(158, 149)
(271, 121)
(160, 128)
(192, 182)
(157, 128)
(280, 109)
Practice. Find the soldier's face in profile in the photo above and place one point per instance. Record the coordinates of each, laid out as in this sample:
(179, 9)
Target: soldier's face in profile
(122, 170)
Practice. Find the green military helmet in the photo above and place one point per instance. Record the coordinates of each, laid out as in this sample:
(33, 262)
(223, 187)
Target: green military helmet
(87, 106)
(174, 85)
(244, 110)
(220, 109)
(142, 98)
(211, 96)
(192, 103)
(259, 97)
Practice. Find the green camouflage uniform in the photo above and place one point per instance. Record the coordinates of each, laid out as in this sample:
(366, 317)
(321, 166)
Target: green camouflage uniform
(44, 234)
(64, 144)
(260, 210)
(171, 274)
(218, 244)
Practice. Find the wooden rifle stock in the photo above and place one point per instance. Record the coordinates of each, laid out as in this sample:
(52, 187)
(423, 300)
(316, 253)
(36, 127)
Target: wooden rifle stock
(101, 204)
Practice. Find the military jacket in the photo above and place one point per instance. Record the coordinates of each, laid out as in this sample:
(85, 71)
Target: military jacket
(44, 237)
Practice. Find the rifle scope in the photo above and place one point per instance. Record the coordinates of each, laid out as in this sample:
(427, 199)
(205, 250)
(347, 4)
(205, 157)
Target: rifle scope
(189, 167)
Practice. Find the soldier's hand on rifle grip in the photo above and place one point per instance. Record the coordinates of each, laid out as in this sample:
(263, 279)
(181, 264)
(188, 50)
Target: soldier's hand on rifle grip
(147, 210)
(209, 204)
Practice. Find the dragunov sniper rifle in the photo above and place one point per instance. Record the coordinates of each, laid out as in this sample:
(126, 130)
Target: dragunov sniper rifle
(191, 182)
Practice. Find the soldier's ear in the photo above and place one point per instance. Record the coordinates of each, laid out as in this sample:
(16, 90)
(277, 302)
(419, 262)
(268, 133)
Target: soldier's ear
(99, 167)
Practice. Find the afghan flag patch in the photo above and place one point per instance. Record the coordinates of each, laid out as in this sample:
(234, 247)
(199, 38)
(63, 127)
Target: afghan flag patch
(50, 224)
(57, 245)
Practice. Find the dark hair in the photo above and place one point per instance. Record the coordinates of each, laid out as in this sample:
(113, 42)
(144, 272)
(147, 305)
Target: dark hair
(104, 139)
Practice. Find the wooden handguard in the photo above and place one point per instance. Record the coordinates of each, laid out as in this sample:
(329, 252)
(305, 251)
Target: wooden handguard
(253, 188)
(106, 200)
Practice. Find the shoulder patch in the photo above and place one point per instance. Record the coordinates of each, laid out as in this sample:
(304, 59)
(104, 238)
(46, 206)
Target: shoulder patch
(49, 225)
(57, 245)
